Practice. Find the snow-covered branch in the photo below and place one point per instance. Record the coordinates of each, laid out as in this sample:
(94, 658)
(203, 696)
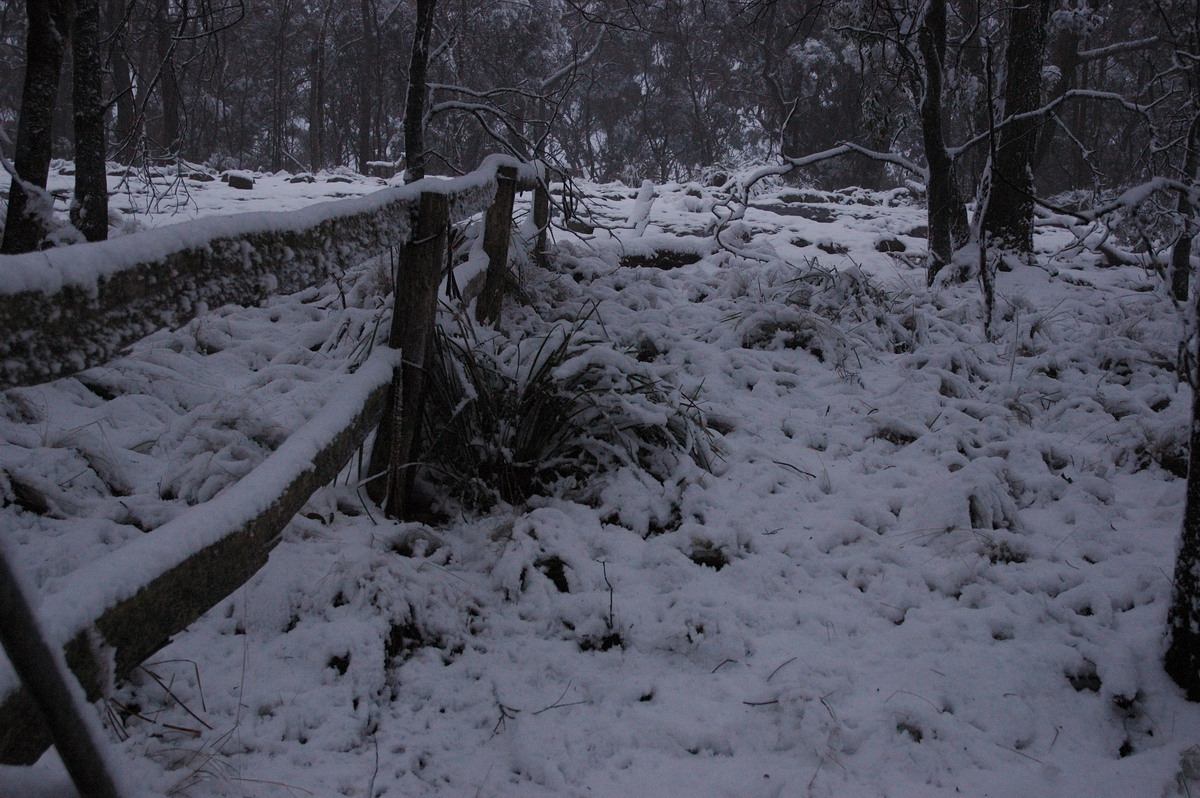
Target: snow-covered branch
(1117, 48)
(789, 164)
(487, 94)
(1088, 228)
(566, 70)
(1130, 198)
(1084, 94)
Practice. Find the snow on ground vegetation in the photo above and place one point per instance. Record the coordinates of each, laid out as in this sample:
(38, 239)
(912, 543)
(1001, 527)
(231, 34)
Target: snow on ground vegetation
(920, 562)
(162, 195)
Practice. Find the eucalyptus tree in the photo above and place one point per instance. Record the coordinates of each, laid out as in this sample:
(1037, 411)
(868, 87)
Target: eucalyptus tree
(89, 202)
(1008, 210)
(415, 119)
(47, 34)
(1181, 28)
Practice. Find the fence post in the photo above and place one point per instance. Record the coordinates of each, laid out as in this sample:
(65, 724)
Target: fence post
(541, 218)
(496, 230)
(45, 678)
(418, 272)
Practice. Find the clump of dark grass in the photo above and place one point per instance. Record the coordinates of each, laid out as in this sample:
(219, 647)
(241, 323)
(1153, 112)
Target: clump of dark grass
(507, 420)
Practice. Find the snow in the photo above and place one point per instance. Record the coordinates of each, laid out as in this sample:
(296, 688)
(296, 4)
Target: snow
(947, 557)
(640, 217)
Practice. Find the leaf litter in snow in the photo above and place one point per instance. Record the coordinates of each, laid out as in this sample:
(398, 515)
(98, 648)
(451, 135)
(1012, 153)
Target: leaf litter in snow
(926, 563)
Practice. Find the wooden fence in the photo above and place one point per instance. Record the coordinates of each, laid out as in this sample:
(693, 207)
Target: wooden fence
(66, 310)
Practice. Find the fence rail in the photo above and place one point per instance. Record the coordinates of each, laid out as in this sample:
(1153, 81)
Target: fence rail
(70, 309)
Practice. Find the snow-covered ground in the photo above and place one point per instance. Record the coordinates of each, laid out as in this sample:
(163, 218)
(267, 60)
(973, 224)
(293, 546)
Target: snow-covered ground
(926, 563)
(168, 195)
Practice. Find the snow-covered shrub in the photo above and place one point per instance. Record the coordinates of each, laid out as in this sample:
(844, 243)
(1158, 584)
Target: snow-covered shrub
(510, 419)
(837, 315)
(220, 161)
(120, 224)
(1163, 445)
(976, 496)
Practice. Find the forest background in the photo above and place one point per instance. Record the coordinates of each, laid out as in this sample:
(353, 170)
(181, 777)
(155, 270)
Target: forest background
(659, 89)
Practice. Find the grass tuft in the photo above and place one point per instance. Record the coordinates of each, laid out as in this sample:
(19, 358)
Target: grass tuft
(507, 420)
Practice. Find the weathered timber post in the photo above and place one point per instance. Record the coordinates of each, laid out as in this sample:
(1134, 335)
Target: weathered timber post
(496, 230)
(541, 218)
(418, 272)
(46, 680)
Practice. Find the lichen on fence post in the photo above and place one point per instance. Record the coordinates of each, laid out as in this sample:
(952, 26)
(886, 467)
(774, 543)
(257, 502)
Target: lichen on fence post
(418, 272)
(497, 227)
(541, 219)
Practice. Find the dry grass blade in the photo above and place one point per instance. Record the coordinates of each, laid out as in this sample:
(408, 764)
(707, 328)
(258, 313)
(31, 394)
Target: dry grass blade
(167, 689)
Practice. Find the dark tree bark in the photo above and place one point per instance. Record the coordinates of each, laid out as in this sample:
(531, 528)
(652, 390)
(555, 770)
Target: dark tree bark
(973, 64)
(414, 107)
(316, 103)
(89, 208)
(126, 125)
(1062, 51)
(948, 229)
(369, 57)
(170, 127)
(49, 27)
(1182, 661)
(1181, 251)
(1009, 217)
(279, 109)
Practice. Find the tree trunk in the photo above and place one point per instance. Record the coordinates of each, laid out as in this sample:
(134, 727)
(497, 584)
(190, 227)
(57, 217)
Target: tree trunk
(1063, 53)
(369, 59)
(316, 104)
(397, 441)
(948, 229)
(49, 26)
(168, 85)
(125, 126)
(89, 208)
(973, 67)
(1084, 130)
(1182, 661)
(171, 127)
(1009, 217)
(279, 110)
(414, 107)
(1181, 251)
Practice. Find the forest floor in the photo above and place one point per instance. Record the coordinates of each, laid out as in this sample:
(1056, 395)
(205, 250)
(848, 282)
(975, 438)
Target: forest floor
(923, 562)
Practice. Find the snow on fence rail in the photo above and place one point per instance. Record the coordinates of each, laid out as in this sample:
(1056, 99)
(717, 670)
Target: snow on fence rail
(57, 305)
(71, 308)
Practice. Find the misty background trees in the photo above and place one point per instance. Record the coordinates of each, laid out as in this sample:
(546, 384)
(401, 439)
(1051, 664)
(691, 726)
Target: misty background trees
(659, 89)
(977, 101)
